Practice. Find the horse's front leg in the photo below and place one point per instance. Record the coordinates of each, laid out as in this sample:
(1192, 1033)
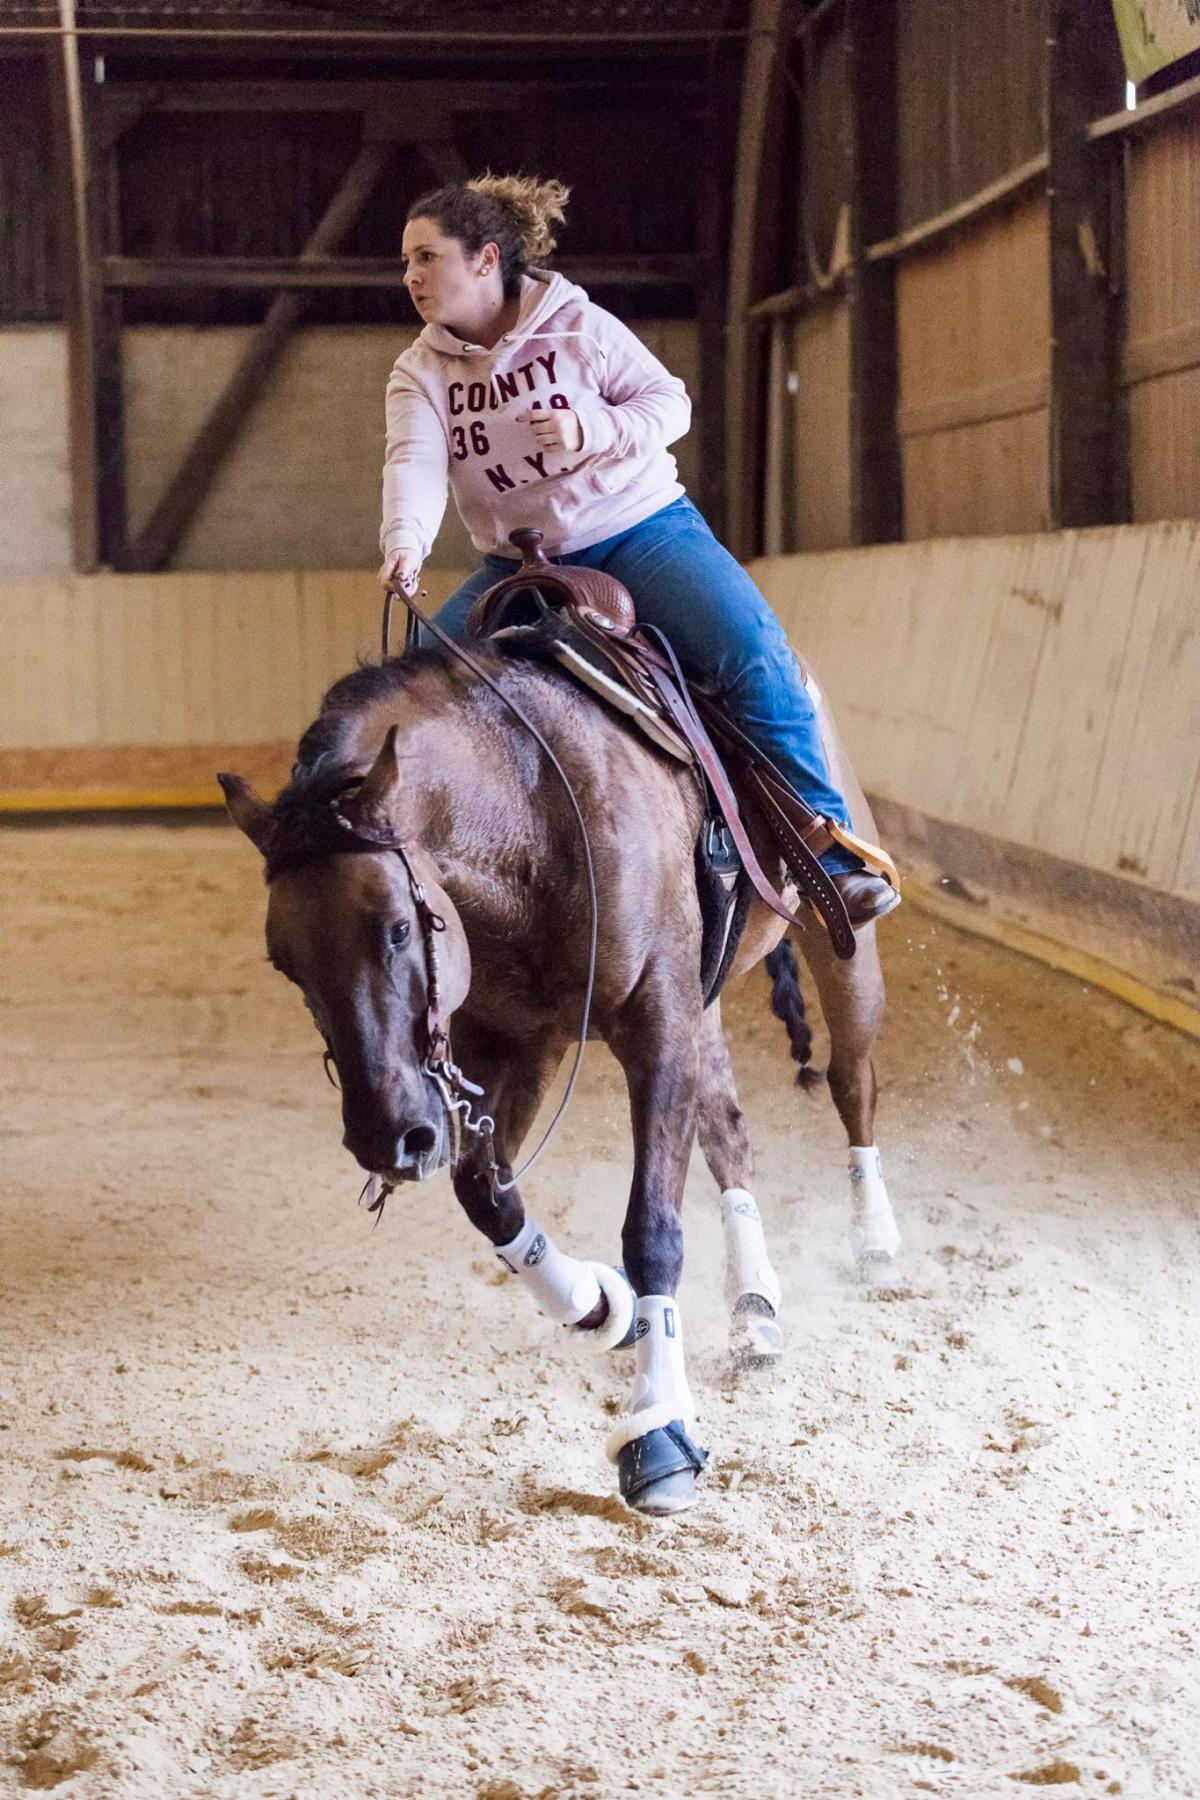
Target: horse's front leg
(514, 1074)
(655, 1040)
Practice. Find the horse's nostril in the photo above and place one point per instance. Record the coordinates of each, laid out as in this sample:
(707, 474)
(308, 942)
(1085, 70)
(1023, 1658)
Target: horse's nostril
(419, 1140)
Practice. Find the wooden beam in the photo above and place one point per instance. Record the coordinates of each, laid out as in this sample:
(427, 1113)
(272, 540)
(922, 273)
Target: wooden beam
(234, 272)
(446, 159)
(790, 301)
(1167, 353)
(712, 185)
(752, 236)
(178, 505)
(1002, 192)
(1086, 482)
(1136, 118)
(71, 151)
(449, 97)
(976, 406)
(876, 498)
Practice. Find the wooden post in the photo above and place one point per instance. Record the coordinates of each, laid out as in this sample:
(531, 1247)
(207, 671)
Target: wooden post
(87, 190)
(1087, 481)
(876, 495)
(752, 238)
(174, 512)
(712, 192)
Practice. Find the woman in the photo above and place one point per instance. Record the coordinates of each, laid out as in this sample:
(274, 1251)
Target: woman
(543, 410)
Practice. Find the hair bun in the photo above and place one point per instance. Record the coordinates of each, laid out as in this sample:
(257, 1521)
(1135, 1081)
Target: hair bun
(534, 206)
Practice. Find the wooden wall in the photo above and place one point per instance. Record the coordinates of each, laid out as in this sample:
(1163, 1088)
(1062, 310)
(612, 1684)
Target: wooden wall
(973, 329)
(808, 429)
(1041, 689)
(1161, 364)
(132, 683)
(298, 489)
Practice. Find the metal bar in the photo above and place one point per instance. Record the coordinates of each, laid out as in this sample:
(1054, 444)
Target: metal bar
(234, 272)
(177, 507)
(997, 193)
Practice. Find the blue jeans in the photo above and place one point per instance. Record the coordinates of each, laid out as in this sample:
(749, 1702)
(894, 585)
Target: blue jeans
(721, 629)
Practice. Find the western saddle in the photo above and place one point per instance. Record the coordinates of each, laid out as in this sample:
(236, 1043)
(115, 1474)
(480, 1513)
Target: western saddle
(586, 621)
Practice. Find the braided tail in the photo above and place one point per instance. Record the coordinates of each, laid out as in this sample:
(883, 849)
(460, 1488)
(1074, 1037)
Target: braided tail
(787, 1003)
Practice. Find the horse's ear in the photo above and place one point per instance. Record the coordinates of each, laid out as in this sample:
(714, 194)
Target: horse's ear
(372, 808)
(248, 810)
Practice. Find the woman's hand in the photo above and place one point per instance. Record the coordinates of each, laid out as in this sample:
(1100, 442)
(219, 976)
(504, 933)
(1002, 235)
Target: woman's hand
(400, 570)
(555, 428)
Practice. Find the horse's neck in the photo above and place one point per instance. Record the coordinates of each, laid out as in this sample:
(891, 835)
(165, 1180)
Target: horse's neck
(464, 793)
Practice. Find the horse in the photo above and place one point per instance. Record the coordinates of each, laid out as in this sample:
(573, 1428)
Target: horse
(425, 860)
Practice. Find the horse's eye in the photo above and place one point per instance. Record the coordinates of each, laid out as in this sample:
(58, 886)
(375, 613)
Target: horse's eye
(398, 933)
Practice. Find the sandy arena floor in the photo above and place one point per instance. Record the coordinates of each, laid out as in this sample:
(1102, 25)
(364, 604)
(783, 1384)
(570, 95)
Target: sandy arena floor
(295, 1508)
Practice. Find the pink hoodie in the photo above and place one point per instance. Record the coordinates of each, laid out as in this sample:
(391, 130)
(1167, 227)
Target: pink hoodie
(452, 412)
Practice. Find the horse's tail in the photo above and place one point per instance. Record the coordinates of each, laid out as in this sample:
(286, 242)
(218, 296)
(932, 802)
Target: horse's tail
(787, 1003)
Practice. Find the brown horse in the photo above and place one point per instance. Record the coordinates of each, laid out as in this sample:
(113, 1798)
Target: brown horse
(425, 837)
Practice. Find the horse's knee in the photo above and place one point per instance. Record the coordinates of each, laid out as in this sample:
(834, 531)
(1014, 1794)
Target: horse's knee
(499, 1216)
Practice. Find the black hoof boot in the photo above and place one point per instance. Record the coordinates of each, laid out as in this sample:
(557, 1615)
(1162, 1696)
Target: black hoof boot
(657, 1472)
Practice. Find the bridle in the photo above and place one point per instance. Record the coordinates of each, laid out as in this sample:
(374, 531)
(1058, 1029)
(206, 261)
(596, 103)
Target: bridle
(457, 1093)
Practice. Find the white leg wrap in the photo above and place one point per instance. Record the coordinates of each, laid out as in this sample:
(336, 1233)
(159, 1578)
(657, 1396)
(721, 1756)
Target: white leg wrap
(660, 1389)
(747, 1266)
(873, 1226)
(566, 1290)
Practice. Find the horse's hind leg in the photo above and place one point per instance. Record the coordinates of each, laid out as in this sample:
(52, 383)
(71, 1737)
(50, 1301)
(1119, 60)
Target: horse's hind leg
(751, 1285)
(514, 1075)
(852, 1000)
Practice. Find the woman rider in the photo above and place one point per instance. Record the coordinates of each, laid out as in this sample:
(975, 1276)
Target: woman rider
(543, 410)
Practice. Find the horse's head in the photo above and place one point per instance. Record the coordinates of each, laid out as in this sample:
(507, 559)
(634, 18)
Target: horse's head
(358, 919)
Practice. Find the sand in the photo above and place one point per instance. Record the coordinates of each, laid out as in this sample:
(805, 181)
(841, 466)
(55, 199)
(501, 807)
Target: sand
(294, 1507)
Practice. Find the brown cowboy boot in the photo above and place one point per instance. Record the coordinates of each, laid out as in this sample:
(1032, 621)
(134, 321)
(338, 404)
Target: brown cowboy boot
(866, 896)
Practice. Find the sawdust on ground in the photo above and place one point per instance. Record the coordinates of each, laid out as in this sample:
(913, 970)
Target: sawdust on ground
(292, 1507)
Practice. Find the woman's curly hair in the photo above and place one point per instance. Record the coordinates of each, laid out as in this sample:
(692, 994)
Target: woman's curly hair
(514, 212)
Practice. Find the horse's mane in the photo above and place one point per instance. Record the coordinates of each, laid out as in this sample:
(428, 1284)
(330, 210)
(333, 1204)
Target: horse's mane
(304, 823)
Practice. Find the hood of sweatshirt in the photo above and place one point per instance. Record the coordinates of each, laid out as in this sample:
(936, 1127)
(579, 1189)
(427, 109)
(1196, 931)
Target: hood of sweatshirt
(543, 293)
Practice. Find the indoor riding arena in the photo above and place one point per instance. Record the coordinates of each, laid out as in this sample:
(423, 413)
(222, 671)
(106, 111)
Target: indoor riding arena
(328, 1470)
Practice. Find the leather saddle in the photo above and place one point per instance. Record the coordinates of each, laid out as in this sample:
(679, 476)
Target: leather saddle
(587, 622)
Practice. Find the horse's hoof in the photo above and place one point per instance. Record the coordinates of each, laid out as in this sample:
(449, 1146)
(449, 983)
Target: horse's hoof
(754, 1335)
(878, 1269)
(657, 1472)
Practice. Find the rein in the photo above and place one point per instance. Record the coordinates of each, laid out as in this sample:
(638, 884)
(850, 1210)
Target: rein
(456, 1091)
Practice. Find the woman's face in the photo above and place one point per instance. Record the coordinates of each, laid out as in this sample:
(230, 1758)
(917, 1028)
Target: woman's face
(446, 284)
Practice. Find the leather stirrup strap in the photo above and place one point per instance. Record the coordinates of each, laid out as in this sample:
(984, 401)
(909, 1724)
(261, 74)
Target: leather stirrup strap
(814, 881)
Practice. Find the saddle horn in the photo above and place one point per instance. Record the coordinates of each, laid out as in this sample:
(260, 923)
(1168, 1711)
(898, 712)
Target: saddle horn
(528, 541)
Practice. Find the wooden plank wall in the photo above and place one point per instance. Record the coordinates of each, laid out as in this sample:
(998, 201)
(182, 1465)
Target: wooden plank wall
(1161, 363)
(973, 323)
(1041, 689)
(132, 681)
(807, 472)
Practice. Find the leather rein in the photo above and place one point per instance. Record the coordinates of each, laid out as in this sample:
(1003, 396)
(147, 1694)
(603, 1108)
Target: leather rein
(456, 1091)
